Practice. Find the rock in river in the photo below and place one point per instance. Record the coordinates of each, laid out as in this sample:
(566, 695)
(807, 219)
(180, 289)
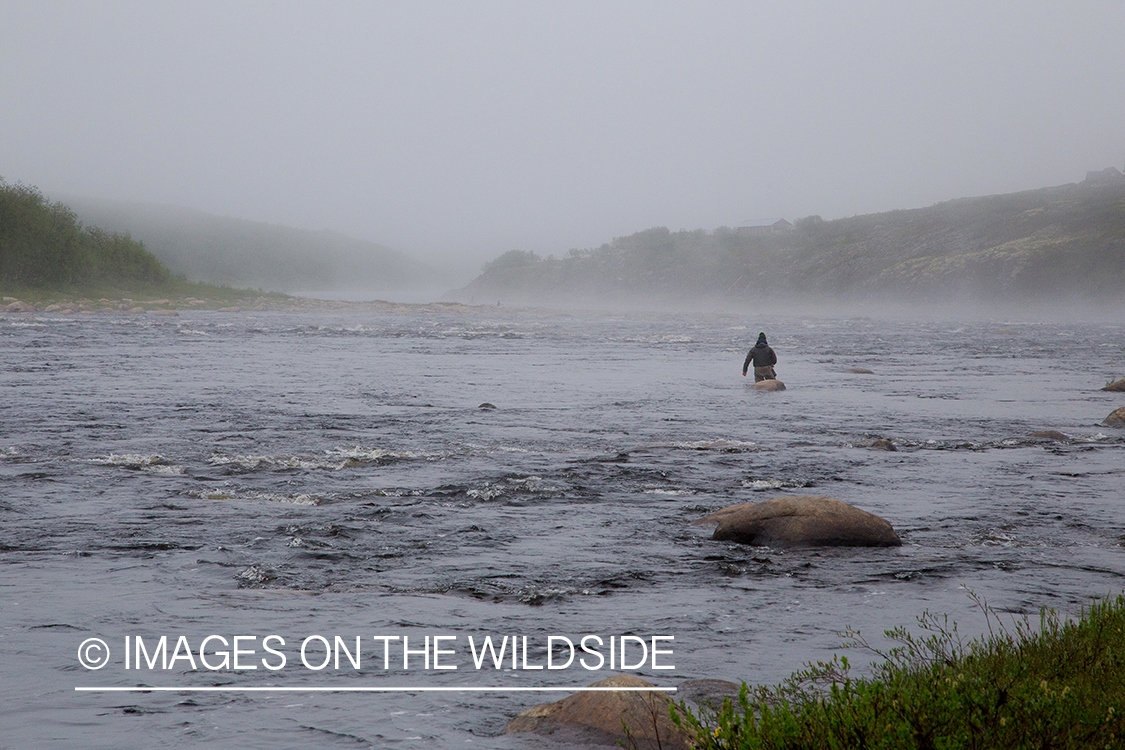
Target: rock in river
(1116, 418)
(597, 718)
(801, 520)
(769, 385)
(1117, 385)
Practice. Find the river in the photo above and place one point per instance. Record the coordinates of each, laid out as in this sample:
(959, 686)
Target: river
(331, 474)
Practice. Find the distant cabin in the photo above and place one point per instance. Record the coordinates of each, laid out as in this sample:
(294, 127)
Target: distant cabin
(763, 226)
(1109, 175)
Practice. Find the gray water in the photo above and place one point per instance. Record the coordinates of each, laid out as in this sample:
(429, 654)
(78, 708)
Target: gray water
(297, 474)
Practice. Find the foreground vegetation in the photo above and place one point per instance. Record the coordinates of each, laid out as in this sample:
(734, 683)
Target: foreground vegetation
(1060, 686)
(43, 244)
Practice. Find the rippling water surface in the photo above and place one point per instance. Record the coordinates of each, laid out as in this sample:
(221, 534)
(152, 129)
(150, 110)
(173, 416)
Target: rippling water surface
(297, 474)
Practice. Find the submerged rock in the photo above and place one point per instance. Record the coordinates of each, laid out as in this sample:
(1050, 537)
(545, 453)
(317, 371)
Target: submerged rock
(860, 371)
(598, 718)
(769, 385)
(1054, 435)
(1116, 418)
(1117, 385)
(801, 520)
(487, 406)
(707, 693)
(883, 444)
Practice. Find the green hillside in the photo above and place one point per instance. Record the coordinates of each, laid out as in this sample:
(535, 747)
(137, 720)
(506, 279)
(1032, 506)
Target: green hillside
(238, 252)
(43, 244)
(1053, 244)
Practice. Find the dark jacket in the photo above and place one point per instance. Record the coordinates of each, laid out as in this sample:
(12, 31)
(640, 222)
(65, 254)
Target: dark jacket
(761, 355)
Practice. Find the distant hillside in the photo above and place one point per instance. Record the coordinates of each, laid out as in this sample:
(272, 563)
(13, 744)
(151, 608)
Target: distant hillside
(242, 253)
(1050, 244)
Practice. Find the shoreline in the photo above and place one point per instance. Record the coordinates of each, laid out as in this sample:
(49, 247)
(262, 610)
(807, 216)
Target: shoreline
(61, 302)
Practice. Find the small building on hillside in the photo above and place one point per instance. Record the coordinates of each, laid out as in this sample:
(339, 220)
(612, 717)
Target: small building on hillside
(763, 226)
(1107, 176)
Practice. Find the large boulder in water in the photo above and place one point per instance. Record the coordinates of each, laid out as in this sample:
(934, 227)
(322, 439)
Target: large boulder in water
(1117, 385)
(769, 385)
(598, 717)
(1116, 418)
(801, 520)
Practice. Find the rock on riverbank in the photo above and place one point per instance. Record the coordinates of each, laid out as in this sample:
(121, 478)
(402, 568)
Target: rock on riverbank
(599, 718)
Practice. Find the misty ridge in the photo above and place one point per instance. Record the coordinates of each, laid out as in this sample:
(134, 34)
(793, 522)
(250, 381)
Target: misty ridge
(1051, 245)
(1057, 244)
(242, 253)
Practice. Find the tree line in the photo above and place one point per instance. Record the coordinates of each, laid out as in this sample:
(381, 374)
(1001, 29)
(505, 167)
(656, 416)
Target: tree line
(43, 244)
(1057, 243)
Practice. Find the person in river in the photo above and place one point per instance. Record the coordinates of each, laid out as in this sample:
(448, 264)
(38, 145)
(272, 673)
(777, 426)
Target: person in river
(763, 358)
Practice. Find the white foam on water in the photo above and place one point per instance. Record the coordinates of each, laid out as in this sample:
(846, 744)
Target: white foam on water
(713, 444)
(334, 459)
(168, 469)
(530, 484)
(253, 461)
(135, 460)
(302, 498)
(358, 454)
(762, 484)
(151, 464)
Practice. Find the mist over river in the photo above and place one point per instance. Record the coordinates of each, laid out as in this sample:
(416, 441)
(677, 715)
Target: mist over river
(331, 473)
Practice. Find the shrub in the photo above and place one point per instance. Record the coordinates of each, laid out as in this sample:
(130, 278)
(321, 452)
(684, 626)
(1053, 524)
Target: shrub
(1060, 686)
(43, 244)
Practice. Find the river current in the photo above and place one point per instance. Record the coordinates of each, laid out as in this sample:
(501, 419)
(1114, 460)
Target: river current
(332, 474)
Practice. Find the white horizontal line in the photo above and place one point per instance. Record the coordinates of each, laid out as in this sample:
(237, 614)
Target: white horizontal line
(403, 689)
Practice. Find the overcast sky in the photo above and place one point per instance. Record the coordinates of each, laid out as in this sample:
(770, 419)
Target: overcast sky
(465, 129)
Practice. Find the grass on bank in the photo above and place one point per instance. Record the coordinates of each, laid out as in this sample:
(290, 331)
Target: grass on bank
(178, 293)
(1059, 686)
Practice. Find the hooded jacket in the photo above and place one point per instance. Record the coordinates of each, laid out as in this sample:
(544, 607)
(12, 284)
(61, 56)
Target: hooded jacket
(761, 355)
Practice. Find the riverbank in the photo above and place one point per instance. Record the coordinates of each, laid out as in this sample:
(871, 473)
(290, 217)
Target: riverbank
(172, 298)
(1062, 686)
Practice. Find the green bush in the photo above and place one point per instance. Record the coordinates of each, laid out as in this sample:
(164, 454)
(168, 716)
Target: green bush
(43, 244)
(1061, 686)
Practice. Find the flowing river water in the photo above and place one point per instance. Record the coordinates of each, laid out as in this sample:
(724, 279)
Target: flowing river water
(331, 474)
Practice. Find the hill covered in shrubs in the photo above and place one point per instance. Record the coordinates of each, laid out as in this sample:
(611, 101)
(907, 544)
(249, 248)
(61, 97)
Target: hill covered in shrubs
(43, 244)
(224, 250)
(1052, 244)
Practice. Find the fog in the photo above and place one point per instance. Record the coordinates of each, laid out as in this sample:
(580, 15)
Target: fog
(455, 131)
